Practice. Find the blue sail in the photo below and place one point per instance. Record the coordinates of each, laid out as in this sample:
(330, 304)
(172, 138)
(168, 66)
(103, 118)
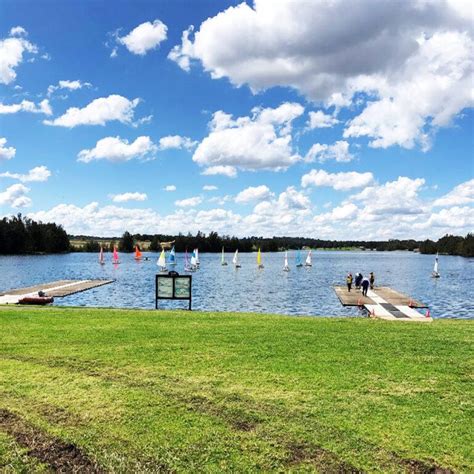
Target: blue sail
(298, 258)
(172, 257)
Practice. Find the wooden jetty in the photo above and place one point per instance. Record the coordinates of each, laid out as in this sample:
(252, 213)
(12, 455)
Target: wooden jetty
(56, 289)
(384, 303)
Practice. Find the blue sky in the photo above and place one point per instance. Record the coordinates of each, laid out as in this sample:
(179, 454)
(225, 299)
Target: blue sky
(268, 118)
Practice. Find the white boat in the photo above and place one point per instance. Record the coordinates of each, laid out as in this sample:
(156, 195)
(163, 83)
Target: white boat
(436, 273)
(196, 251)
(286, 267)
(101, 256)
(308, 262)
(162, 261)
(235, 260)
(187, 266)
(194, 260)
(223, 262)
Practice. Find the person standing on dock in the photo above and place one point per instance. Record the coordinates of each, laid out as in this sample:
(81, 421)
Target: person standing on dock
(365, 286)
(349, 281)
(372, 280)
(358, 281)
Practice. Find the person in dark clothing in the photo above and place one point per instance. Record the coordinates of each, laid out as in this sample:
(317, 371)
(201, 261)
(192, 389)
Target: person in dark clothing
(365, 286)
(372, 280)
(349, 281)
(358, 280)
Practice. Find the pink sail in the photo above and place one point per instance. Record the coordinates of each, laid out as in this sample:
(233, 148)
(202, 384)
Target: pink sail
(116, 256)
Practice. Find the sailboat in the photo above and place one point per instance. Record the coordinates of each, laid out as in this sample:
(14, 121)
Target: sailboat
(162, 261)
(235, 260)
(172, 257)
(436, 273)
(115, 257)
(196, 254)
(308, 262)
(223, 262)
(299, 263)
(101, 256)
(194, 260)
(138, 254)
(259, 259)
(187, 265)
(286, 267)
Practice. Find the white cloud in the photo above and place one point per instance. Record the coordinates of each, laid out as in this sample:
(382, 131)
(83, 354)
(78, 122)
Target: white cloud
(177, 142)
(118, 149)
(453, 218)
(170, 188)
(253, 193)
(229, 171)
(260, 141)
(462, 194)
(189, 202)
(15, 196)
(27, 106)
(69, 85)
(125, 197)
(144, 37)
(6, 152)
(321, 120)
(387, 52)
(293, 199)
(12, 50)
(209, 187)
(339, 181)
(344, 212)
(338, 151)
(37, 174)
(98, 112)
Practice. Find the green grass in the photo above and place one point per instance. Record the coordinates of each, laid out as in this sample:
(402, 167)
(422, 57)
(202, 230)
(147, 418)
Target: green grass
(177, 391)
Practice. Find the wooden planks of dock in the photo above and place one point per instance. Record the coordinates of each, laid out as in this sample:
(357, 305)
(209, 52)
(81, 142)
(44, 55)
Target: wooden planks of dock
(384, 303)
(56, 289)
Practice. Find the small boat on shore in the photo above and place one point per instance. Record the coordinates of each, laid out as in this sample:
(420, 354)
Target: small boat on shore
(36, 300)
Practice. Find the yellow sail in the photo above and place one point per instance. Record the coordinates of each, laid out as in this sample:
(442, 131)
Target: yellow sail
(259, 258)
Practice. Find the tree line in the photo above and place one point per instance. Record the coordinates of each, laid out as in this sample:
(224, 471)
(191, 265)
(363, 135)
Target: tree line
(20, 235)
(213, 242)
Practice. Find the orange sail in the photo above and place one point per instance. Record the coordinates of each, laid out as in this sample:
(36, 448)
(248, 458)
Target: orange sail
(138, 254)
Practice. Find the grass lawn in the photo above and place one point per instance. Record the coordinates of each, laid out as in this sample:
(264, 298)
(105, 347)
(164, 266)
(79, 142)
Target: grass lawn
(130, 390)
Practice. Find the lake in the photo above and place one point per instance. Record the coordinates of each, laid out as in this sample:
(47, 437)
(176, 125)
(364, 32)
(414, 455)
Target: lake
(302, 291)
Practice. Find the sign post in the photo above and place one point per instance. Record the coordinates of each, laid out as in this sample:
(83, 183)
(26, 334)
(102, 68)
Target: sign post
(173, 287)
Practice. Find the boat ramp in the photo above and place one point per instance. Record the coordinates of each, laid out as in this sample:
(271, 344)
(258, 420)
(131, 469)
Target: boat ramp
(56, 289)
(384, 303)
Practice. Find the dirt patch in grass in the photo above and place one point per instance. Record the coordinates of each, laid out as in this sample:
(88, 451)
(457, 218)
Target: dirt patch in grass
(414, 466)
(60, 456)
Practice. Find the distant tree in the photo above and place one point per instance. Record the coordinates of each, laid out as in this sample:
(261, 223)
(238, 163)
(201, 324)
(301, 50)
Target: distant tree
(126, 242)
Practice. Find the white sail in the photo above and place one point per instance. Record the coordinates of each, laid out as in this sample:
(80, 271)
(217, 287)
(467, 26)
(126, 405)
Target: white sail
(162, 260)
(286, 267)
(308, 259)
(197, 256)
(435, 269)
(235, 260)
(193, 259)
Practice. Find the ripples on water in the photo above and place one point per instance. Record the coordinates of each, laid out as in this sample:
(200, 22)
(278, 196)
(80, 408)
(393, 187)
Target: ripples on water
(302, 291)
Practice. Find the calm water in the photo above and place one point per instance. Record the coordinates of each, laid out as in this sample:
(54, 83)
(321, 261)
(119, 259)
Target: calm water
(302, 291)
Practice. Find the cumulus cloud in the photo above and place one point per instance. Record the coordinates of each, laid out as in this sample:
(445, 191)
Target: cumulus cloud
(226, 170)
(144, 37)
(176, 142)
(339, 181)
(462, 194)
(119, 149)
(321, 120)
(27, 106)
(338, 151)
(209, 187)
(189, 202)
(260, 141)
(126, 197)
(68, 85)
(15, 196)
(384, 52)
(170, 188)
(6, 152)
(98, 112)
(12, 52)
(253, 193)
(37, 174)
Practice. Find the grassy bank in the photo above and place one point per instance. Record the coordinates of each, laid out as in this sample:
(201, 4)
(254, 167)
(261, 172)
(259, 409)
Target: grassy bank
(143, 390)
